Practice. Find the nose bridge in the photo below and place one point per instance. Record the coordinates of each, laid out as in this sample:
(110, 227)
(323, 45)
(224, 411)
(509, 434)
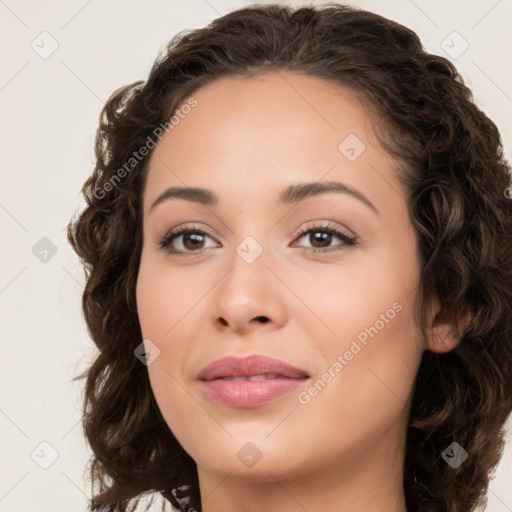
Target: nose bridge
(251, 242)
(250, 249)
(248, 290)
(248, 266)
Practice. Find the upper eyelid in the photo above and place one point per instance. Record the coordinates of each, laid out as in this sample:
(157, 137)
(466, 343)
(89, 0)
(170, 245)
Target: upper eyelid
(325, 225)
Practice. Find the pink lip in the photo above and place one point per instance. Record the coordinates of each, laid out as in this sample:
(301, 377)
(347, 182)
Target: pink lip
(284, 378)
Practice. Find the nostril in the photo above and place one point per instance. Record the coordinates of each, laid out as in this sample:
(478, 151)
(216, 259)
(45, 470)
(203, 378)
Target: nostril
(262, 319)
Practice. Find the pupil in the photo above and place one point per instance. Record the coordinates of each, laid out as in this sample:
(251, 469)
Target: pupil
(194, 237)
(323, 237)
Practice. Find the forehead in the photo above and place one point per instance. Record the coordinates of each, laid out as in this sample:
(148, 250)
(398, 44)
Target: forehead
(297, 91)
(278, 99)
(271, 104)
(273, 128)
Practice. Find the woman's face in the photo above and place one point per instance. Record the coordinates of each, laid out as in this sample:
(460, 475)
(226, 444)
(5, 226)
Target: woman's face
(245, 281)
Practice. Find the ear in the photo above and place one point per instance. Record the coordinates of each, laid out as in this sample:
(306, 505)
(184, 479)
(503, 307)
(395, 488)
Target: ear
(444, 334)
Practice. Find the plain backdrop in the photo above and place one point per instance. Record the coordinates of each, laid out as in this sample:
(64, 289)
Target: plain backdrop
(49, 108)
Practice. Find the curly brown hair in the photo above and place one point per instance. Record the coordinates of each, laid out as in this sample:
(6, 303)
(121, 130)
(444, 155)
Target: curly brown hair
(452, 164)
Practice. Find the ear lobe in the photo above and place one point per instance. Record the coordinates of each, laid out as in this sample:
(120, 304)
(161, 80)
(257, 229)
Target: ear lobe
(445, 334)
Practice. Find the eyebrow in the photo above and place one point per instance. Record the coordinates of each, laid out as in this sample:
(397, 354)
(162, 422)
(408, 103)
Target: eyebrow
(292, 194)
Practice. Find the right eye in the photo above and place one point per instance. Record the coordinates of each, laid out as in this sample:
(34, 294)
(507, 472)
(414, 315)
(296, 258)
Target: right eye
(191, 243)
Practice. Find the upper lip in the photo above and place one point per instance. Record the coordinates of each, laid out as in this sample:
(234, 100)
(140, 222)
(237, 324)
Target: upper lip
(249, 366)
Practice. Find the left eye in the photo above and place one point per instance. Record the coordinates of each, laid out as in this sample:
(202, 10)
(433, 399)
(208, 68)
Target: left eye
(193, 240)
(323, 235)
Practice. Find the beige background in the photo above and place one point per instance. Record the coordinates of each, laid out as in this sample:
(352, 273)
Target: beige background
(49, 109)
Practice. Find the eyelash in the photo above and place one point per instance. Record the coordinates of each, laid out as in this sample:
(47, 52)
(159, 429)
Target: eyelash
(172, 235)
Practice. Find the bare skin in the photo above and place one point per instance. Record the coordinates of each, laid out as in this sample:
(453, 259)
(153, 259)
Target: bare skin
(339, 449)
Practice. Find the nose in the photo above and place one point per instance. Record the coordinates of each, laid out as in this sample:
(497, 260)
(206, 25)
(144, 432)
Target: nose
(249, 296)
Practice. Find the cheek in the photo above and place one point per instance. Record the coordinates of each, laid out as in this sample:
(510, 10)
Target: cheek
(363, 395)
(163, 298)
(162, 305)
(168, 305)
(369, 307)
(162, 313)
(358, 292)
(152, 303)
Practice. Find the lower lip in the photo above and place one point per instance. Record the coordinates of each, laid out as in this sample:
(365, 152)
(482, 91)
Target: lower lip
(248, 393)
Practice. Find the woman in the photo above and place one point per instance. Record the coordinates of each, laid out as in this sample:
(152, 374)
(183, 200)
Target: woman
(298, 249)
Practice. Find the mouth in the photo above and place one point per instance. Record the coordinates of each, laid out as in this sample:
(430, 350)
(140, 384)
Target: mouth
(253, 378)
(249, 382)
